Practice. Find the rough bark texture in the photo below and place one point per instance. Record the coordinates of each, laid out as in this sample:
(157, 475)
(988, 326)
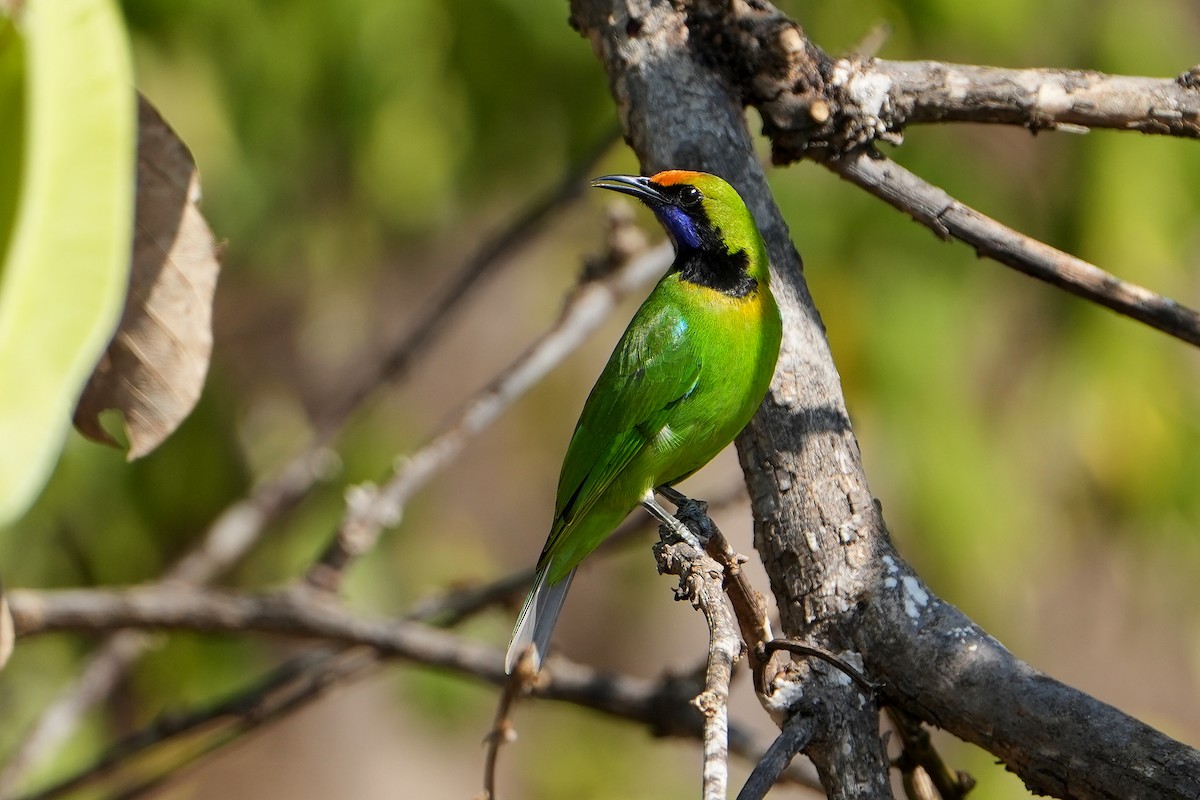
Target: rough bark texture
(835, 576)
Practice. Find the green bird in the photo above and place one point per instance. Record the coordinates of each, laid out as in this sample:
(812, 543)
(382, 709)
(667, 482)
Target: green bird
(686, 376)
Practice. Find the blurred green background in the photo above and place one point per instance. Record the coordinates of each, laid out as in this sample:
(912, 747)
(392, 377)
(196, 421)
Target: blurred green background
(1037, 457)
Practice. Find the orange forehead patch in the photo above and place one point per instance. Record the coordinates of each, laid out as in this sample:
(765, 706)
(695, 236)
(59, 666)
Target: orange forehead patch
(671, 177)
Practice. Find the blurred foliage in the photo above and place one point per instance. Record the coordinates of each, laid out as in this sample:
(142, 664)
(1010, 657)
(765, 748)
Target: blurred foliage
(1037, 457)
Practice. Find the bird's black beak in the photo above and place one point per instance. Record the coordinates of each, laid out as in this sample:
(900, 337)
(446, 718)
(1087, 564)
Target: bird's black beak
(635, 185)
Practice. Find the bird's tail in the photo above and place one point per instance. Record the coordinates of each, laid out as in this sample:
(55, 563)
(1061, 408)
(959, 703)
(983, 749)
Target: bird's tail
(537, 619)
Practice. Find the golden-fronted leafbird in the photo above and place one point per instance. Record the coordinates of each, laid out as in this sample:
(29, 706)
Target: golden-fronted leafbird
(684, 379)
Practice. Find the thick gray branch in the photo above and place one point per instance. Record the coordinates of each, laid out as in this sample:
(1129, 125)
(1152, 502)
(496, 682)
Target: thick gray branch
(942, 668)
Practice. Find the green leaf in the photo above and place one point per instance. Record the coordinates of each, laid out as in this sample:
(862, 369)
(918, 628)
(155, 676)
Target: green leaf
(12, 105)
(67, 263)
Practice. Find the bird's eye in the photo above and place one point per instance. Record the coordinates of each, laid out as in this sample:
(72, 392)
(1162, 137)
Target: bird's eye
(690, 196)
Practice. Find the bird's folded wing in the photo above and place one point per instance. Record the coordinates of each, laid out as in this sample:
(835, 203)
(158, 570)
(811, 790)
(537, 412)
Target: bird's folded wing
(654, 367)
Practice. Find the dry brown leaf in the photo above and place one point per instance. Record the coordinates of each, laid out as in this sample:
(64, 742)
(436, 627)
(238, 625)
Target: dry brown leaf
(155, 366)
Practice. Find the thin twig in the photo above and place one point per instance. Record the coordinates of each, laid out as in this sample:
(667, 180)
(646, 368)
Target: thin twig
(371, 509)
(307, 677)
(749, 605)
(302, 679)
(700, 582)
(96, 680)
(802, 649)
(518, 685)
(919, 754)
(949, 218)
(796, 734)
(663, 705)
(299, 680)
(871, 42)
(227, 540)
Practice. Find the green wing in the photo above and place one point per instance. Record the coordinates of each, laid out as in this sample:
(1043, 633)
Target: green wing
(654, 366)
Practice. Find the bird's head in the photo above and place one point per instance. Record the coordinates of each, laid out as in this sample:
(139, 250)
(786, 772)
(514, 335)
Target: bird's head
(699, 211)
(716, 241)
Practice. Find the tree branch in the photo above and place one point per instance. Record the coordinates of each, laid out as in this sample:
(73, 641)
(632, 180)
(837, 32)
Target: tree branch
(664, 706)
(225, 542)
(838, 582)
(701, 582)
(681, 112)
(489, 255)
(1059, 740)
(810, 101)
(1037, 99)
(836, 110)
(949, 218)
(293, 685)
(797, 732)
(919, 754)
(287, 688)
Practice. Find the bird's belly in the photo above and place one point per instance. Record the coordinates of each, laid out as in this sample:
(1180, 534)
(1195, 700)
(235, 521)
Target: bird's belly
(690, 441)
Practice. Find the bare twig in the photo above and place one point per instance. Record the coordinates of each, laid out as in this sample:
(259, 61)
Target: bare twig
(794, 737)
(949, 218)
(299, 681)
(871, 42)
(237, 529)
(96, 680)
(294, 684)
(370, 509)
(518, 685)
(836, 110)
(700, 582)
(227, 540)
(749, 606)
(664, 706)
(302, 679)
(919, 754)
(802, 649)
